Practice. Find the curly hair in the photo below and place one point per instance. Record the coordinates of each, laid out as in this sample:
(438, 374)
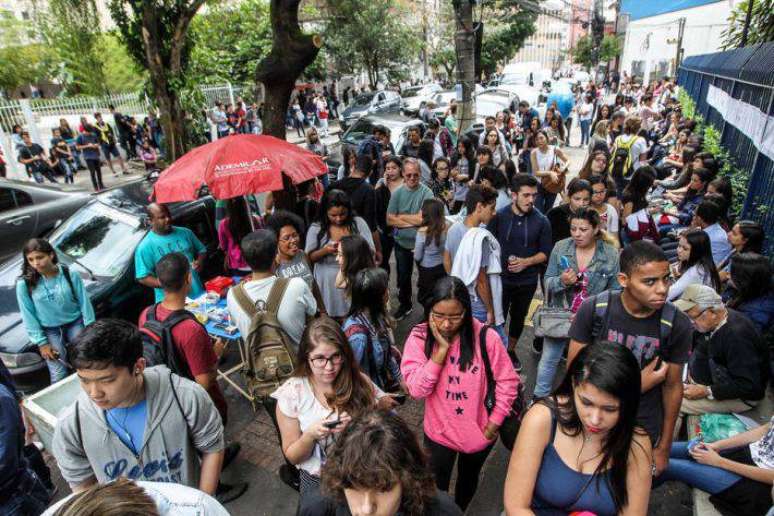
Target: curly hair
(378, 451)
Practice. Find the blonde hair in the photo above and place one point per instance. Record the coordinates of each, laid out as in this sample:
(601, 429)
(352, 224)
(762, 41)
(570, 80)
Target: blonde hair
(121, 497)
(632, 124)
(601, 128)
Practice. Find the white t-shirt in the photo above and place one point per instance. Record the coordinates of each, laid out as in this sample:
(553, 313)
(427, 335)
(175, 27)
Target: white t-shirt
(762, 451)
(610, 220)
(639, 147)
(296, 399)
(296, 304)
(585, 111)
(171, 500)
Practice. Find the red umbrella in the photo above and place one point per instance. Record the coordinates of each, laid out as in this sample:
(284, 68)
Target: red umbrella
(237, 165)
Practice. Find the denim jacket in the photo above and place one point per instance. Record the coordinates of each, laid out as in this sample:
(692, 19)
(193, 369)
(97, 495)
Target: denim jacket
(603, 271)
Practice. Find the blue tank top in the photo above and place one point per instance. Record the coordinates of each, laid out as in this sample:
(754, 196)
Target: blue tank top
(560, 490)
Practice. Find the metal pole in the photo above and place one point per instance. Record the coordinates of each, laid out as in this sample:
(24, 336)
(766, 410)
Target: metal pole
(746, 28)
(679, 54)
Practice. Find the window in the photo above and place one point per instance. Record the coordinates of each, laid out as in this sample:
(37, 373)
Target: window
(22, 198)
(6, 199)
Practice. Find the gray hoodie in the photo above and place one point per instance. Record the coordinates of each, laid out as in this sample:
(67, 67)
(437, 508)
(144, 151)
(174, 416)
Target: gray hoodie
(169, 448)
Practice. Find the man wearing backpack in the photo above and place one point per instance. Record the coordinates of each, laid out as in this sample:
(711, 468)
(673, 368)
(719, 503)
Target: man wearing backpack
(629, 152)
(255, 306)
(658, 335)
(130, 421)
(174, 338)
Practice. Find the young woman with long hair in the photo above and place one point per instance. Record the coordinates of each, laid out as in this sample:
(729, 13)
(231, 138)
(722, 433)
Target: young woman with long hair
(429, 247)
(231, 231)
(327, 390)
(440, 181)
(492, 142)
(579, 267)
(579, 194)
(636, 214)
(547, 161)
(680, 177)
(353, 256)
(746, 236)
(598, 140)
(608, 214)
(54, 305)
(604, 113)
(378, 467)
(580, 450)
(335, 221)
(442, 364)
(368, 328)
(387, 184)
(463, 165)
(751, 289)
(694, 264)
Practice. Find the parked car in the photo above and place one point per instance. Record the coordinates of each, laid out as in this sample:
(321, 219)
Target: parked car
(98, 241)
(397, 124)
(416, 96)
(29, 210)
(383, 101)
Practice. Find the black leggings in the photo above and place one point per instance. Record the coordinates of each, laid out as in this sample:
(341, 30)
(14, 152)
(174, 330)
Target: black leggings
(96, 174)
(468, 468)
(517, 300)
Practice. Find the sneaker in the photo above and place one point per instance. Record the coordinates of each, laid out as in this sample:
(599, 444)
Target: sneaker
(289, 475)
(230, 453)
(515, 360)
(537, 345)
(226, 493)
(402, 312)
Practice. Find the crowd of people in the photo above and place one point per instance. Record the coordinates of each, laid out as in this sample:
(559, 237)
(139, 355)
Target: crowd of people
(93, 144)
(661, 301)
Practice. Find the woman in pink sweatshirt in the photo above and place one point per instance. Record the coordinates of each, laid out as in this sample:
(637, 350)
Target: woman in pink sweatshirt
(442, 364)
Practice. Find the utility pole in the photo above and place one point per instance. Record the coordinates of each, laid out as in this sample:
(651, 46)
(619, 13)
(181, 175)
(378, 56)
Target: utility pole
(597, 30)
(464, 46)
(679, 54)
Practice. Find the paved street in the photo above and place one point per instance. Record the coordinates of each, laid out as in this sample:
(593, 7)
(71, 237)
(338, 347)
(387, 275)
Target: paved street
(261, 456)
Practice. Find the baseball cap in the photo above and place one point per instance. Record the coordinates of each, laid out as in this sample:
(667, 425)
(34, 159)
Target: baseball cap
(698, 295)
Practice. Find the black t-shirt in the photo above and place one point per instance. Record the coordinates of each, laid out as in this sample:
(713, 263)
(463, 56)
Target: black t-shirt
(31, 152)
(642, 337)
(559, 217)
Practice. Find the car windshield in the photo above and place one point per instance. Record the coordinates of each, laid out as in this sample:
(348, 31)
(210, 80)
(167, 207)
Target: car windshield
(515, 79)
(410, 92)
(358, 132)
(364, 99)
(98, 238)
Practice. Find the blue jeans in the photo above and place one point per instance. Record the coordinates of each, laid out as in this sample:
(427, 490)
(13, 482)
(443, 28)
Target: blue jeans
(585, 125)
(58, 338)
(480, 315)
(683, 468)
(29, 497)
(549, 360)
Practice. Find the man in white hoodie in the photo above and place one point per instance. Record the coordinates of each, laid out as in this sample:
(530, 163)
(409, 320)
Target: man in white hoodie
(472, 254)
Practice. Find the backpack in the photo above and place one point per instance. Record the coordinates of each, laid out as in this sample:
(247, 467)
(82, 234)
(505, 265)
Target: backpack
(270, 354)
(621, 163)
(602, 308)
(381, 377)
(158, 344)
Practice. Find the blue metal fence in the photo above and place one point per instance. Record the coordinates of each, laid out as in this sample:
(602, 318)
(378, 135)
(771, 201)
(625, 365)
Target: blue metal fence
(745, 74)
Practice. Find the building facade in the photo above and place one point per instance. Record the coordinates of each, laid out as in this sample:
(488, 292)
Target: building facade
(550, 44)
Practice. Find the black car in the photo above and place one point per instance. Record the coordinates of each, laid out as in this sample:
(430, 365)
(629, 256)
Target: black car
(98, 241)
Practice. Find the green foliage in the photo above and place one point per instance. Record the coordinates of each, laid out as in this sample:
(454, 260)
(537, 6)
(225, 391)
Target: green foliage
(739, 177)
(761, 27)
(507, 24)
(609, 49)
(445, 58)
(228, 42)
(120, 71)
(370, 35)
(71, 30)
(22, 62)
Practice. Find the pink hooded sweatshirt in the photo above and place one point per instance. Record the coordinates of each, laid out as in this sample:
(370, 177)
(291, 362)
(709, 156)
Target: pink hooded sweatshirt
(455, 416)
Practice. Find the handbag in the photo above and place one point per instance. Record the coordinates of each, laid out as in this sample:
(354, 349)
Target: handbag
(552, 322)
(512, 422)
(549, 185)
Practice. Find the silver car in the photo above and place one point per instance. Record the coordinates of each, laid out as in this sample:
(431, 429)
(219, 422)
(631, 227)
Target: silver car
(29, 210)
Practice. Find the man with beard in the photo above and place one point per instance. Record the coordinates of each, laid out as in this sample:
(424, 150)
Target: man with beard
(162, 239)
(525, 238)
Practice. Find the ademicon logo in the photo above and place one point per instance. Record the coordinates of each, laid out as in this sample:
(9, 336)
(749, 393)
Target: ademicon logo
(242, 167)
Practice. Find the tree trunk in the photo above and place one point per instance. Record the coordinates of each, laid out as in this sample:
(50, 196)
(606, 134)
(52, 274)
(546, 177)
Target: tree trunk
(291, 52)
(464, 46)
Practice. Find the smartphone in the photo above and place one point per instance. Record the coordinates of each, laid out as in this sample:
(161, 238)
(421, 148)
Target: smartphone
(332, 424)
(564, 262)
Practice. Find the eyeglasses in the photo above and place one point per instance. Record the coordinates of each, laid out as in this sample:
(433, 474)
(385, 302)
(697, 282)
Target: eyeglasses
(455, 318)
(290, 238)
(322, 362)
(410, 176)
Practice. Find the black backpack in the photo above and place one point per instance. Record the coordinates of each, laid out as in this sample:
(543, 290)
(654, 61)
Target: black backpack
(158, 345)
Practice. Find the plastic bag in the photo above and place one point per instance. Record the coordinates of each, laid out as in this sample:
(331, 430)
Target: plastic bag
(715, 427)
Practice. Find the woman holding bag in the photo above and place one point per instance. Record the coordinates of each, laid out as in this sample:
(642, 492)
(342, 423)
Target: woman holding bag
(442, 364)
(579, 267)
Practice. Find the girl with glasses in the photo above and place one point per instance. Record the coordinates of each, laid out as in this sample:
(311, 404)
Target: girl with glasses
(325, 392)
(442, 364)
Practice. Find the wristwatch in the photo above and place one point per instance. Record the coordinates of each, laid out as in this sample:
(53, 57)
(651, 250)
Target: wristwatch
(709, 393)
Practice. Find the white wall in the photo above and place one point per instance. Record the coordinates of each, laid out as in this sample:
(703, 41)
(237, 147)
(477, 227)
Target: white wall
(646, 39)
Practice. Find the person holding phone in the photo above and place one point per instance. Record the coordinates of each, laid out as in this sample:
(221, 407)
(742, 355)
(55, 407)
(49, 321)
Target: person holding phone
(325, 392)
(443, 364)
